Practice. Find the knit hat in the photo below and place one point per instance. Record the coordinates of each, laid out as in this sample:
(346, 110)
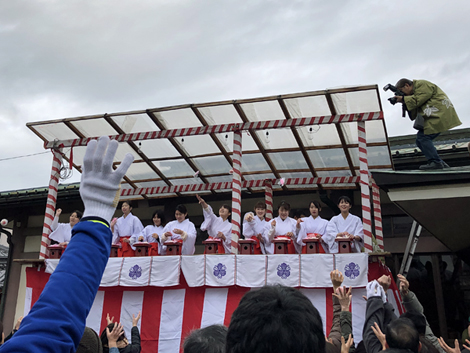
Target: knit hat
(90, 342)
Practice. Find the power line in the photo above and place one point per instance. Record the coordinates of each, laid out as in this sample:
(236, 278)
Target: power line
(26, 155)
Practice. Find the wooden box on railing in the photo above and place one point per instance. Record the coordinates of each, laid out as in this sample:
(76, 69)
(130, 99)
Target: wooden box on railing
(142, 248)
(344, 245)
(211, 246)
(247, 246)
(55, 251)
(114, 250)
(312, 245)
(173, 247)
(280, 245)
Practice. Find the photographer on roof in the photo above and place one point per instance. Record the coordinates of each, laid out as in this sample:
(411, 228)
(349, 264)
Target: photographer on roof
(432, 112)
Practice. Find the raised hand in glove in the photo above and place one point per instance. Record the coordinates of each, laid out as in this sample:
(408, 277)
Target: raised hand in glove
(100, 184)
(374, 289)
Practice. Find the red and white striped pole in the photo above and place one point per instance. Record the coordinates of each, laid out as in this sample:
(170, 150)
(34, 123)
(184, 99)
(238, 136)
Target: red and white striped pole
(268, 199)
(364, 182)
(51, 202)
(377, 215)
(236, 189)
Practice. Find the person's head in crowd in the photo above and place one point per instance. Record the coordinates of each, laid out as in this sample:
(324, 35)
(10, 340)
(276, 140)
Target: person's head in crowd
(121, 342)
(402, 334)
(314, 208)
(90, 342)
(225, 211)
(158, 218)
(181, 213)
(75, 217)
(418, 320)
(344, 204)
(283, 210)
(210, 339)
(126, 207)
(275, 319)
(260, 209)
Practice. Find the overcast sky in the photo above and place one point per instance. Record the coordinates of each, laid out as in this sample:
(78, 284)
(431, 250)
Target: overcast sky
(62, 59)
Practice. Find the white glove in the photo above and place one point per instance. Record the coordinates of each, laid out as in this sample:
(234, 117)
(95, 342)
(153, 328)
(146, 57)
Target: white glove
(100, 184)
(374, 289)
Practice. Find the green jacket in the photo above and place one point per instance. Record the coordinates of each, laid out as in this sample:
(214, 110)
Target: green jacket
(434, 105)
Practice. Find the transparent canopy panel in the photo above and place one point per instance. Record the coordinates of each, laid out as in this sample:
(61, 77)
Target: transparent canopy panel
(174, 168)
(178, 118)
(94, 127)
(328, 158)
(212, 165)
(132, 123)
(263, 111)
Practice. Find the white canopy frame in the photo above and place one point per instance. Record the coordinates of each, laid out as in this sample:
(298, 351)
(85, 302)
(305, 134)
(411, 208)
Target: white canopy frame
(238, 183)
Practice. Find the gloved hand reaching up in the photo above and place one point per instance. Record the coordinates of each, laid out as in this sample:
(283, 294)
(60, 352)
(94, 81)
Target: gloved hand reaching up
(100, 184)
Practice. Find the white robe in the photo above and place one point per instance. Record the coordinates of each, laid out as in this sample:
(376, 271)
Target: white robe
(255, 227)
(62, 233)
(188, 244)
(282, 228)
(124, 227)
(352, 224)
(214, 224)
(317, 225)
(147, 234)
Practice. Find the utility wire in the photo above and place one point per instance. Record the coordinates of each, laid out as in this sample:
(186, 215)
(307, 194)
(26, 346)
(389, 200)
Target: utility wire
(26, 155)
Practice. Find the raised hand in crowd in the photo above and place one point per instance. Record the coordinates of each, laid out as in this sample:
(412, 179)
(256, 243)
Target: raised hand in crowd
(380, 335)
(385, 281)
(109, 320)
(114, 334)
(404, 285)
(374, 289)
(447, 348)
(346, 345)
(58, 212)
(344, 297)
(337, 279)
(135, 319)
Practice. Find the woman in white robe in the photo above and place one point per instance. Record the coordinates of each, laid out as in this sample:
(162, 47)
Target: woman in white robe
(62, 232)
(346, 225)
(283, 225)
(124, 228)
(152, 233)
(182, 230)
(217, 227)
(314, 225)
(256, 227)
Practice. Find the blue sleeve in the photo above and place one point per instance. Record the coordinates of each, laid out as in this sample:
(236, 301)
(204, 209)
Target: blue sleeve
(114, 350)
(57, 320)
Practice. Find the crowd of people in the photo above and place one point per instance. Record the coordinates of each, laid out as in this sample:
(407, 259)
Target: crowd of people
(128, 229)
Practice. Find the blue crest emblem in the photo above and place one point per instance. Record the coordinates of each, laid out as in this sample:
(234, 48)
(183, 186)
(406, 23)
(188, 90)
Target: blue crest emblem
(220, 270)
(351, 270)
(283, 270)
(135, 272)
